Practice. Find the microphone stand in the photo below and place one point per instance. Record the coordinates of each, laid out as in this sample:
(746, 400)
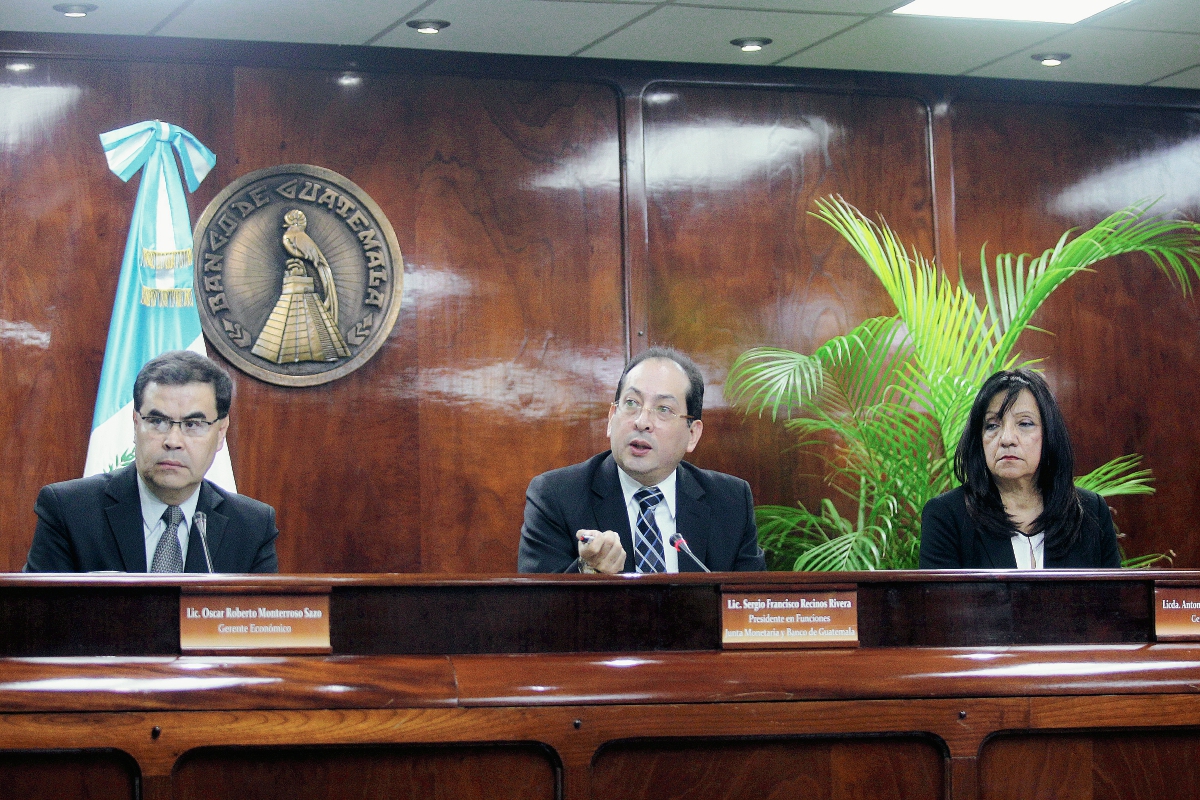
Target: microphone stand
(680, 543)
(200, 520)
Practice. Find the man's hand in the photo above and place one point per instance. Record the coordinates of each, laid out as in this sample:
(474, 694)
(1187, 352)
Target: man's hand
(602, 551)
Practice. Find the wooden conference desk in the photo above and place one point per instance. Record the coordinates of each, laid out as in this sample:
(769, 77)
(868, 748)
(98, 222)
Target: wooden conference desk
(966, 685)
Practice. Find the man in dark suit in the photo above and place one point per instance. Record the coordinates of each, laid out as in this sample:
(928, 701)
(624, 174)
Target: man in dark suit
(624, 510)
(159, 514)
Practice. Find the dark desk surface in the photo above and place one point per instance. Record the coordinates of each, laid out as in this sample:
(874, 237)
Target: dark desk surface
(590, 687)
(80, 615)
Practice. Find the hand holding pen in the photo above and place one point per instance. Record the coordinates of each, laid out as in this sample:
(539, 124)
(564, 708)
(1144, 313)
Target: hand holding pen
(600, 551)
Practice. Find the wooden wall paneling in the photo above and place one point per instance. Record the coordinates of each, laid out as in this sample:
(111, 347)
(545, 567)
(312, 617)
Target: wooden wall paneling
(68, 775)
(440, 773)
(634, 216)
(65, 218)
(737, 261)
(533, 261)
(339, 461)
(941, 170)
(517, 376)
(504, 197)
(1124, 336)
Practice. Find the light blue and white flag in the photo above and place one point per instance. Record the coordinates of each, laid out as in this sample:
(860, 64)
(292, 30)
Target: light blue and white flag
(155, 308)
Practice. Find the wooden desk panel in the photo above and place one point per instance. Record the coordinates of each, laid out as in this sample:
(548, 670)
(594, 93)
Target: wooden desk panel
(908, 768)
(78, 775)
(490, 772)
(583, 686)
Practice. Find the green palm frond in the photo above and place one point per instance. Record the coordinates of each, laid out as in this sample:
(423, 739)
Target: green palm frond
(892, 396)
(1118, 477)
(1149, 560)
(1022, 288)
(953, 344)
(769, 377)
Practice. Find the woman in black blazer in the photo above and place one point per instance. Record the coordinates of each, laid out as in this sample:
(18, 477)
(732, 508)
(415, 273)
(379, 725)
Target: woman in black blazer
(1018, 506)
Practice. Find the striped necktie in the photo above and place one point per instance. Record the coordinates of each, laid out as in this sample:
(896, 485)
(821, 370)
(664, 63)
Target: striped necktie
(647, 540)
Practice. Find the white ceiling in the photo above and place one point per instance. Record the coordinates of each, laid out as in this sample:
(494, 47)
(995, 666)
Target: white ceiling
(1142, 42)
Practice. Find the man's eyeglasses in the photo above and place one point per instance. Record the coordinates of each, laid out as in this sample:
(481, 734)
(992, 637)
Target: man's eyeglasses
(632, 407)
(194, 427)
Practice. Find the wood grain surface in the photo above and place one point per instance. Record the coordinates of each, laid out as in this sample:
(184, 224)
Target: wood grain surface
(883, 767)
(556, 215)
(1124, 339)
(443, 773)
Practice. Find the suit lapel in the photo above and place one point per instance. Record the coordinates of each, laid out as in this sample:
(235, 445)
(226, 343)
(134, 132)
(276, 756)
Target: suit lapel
(999, 551)
(124, 516)
(691, 519)
(608, 506)
(215, 524)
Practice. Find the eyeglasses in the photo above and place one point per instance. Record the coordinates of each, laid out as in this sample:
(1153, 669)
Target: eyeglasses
(631, 407)
(194, 427)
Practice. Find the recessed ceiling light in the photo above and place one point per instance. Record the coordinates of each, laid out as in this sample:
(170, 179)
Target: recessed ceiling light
(75, 9)
(427, 25)
(1063, 11)
(1050, 59)
(18, 66)
(751, 44)
(349, 79)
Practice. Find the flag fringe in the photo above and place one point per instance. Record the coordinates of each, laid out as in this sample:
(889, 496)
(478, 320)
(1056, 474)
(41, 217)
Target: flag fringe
(167, 298)
(166, 259)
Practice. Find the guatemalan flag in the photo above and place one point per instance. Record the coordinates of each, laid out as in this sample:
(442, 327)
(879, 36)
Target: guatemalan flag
(155, 309)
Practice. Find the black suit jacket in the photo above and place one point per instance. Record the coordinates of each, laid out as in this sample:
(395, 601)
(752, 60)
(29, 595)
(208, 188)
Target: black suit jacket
(950, 540)
(95, 523)
(714, 512)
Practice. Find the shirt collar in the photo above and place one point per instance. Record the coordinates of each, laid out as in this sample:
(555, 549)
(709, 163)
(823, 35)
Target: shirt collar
(153, 508)
(630, 485)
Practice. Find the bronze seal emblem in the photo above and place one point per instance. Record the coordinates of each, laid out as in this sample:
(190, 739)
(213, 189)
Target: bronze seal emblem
(298, 275)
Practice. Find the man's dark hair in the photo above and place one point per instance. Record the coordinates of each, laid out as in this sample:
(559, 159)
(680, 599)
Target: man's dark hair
(179, 367)
(1062, 511)
(695, 395)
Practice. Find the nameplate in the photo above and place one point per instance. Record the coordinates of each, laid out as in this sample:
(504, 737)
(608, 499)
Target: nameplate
(789, 617)
(212, 622)
(1176, 612)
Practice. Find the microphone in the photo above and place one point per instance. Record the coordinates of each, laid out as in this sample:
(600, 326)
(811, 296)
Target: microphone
(200, 520)
(679, 543)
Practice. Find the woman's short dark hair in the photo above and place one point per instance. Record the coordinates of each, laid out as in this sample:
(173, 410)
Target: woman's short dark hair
(695, 394)
(181, 367)
(1062, 512)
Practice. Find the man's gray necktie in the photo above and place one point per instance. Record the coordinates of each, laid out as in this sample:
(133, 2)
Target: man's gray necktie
(168, 556)
(647, 538)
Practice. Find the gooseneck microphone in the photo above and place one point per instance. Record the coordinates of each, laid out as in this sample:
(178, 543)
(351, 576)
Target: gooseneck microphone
(200, 520)
(679, 543)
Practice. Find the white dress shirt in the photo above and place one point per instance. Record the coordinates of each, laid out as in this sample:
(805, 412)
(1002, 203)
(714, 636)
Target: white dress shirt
(153, 524)
(664, 514)
(1029, 550)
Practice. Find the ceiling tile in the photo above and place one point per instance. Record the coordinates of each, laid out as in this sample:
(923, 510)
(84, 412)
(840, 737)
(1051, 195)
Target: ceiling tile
(828, 6)
(1181, 16)
(922, 44)
(1188, 79)
(675, 33)
(311, 21)
(530, 27)
(113, 16)
(1100, 55)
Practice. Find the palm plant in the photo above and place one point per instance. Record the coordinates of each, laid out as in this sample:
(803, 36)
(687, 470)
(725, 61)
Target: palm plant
(894, 393)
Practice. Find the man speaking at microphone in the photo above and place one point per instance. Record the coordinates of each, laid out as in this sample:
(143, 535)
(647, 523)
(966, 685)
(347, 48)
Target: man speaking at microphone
(159, 514)
(622, 510)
